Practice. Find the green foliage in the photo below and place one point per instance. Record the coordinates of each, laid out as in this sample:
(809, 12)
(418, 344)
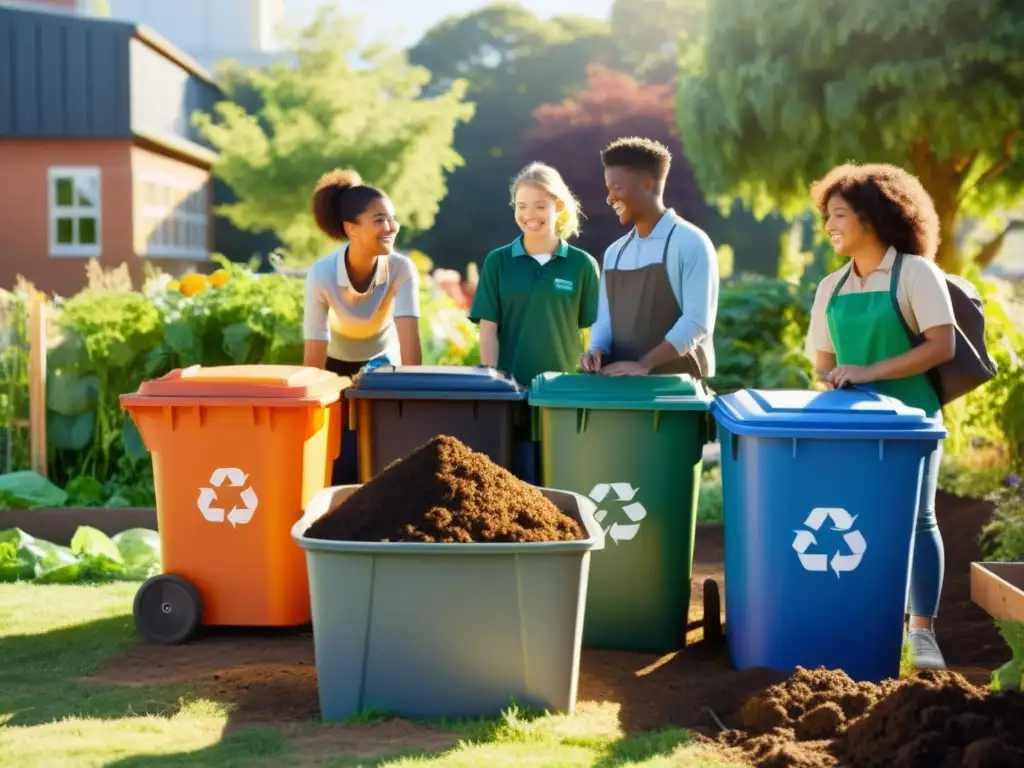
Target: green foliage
(93, 556)
(962, 477)
(113, 341)
(726, 261)
(513, 62)
(759, 335)
(1003, 537)
(324, 113)
(14, 383)
(780, 91)
(28, 490)
(1010, 676)
(709, 500)
(648, 34)
(105, 340)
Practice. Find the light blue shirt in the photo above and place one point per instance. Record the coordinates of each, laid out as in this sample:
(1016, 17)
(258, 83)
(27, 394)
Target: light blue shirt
(360, 326)
(692, 266)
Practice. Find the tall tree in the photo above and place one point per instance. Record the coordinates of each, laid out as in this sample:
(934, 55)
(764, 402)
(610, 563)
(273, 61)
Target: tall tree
(650, 33)
(320, 112)
(781, 90)
(513, 62)
(571, 134)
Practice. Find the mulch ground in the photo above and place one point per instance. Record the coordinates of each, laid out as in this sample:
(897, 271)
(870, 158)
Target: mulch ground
(271, 676)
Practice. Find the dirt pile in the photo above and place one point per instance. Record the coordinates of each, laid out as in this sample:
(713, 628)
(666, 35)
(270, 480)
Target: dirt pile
(446, 492)
(821, 718)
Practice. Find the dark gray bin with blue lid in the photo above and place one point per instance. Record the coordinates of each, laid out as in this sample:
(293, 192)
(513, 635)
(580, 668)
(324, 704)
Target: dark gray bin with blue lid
(396, 409)
(447, 630)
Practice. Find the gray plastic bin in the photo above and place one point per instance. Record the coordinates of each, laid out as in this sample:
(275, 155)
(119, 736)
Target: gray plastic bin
(447, 630)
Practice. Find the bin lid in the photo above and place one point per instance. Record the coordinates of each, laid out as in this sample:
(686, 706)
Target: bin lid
(292, 382)
(660, 392)
(435, 382)
(845, 413)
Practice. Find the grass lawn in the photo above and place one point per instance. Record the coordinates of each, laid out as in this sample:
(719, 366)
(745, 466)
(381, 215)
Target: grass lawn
(52, 636)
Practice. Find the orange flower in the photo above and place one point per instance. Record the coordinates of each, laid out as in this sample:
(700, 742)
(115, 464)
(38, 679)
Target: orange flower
(219, 278)
(194, 283)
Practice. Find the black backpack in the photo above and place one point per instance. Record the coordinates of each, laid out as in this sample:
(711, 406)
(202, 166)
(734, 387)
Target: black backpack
(971, 365)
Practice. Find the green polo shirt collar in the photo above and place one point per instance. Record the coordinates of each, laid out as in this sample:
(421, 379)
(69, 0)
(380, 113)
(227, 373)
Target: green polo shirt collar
(519, 249)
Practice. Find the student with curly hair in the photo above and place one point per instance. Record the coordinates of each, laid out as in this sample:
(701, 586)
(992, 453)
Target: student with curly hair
(362, 300)
(881, 218)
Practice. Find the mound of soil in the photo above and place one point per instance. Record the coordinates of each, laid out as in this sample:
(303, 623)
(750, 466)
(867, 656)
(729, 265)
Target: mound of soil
(821, 718)
(446, 492)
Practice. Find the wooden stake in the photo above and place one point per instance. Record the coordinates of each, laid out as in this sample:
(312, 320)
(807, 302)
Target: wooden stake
(37, 381)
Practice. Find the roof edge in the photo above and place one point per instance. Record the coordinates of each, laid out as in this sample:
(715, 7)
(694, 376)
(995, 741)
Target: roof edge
(162, 45)
(176, 145)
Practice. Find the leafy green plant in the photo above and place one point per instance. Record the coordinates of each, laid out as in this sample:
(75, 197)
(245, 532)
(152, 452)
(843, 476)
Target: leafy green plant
(14, 381)
(91, 556)
(709, 500)
(760, 334)
(106, 336)
(1010, 676)
(1003, 537)
(972, 474)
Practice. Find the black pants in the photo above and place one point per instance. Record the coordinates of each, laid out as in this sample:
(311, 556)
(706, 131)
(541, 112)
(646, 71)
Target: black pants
(346, 466)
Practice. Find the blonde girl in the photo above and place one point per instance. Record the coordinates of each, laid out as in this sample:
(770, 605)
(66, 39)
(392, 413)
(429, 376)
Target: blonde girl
(538, 293)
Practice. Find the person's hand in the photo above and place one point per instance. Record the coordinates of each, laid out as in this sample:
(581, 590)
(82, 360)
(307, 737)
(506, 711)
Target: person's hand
(624, 368)
(843, 375)
(591, 361)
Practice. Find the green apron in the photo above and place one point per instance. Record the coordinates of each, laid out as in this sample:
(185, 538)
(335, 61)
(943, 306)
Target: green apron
(865, 329)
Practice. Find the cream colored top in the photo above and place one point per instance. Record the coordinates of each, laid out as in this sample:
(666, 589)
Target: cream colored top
(922, 295)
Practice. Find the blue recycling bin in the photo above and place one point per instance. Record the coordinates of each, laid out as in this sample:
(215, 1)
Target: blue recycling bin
(820, 496)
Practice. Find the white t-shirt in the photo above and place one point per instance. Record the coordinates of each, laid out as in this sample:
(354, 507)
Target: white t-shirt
(362, 325)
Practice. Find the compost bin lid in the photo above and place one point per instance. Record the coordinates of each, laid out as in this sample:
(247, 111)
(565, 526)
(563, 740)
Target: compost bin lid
(663, 392)
(435, 382)
(245, 381)
(854, 413)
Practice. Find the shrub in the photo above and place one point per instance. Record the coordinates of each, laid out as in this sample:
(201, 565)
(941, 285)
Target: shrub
(1003, 537)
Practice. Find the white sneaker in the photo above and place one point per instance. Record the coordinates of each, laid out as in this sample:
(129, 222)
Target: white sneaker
(924, 649)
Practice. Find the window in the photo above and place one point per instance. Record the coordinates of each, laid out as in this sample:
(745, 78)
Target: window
(75, 212)
(172, 217)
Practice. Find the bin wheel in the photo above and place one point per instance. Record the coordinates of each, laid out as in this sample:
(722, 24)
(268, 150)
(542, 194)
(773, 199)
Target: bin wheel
(712, 612)
(167, 609)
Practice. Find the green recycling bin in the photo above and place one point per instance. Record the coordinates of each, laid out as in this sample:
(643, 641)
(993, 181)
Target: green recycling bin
(635, 446)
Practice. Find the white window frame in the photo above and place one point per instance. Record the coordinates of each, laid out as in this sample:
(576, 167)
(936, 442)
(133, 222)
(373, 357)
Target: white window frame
(76, 173)
(148, 211)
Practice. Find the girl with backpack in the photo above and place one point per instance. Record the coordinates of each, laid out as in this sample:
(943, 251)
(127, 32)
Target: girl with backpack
(881, 218)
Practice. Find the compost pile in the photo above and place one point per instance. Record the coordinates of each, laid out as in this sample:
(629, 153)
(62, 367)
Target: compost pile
(446, 492)
(821, 718)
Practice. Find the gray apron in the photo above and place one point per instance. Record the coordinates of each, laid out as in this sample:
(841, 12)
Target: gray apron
(643, 309)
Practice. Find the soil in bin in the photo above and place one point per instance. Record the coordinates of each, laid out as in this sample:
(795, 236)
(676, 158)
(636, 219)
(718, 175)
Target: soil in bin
(446, 492)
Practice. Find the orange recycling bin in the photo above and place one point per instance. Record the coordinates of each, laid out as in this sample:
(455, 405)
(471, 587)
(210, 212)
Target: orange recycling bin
(238, 452)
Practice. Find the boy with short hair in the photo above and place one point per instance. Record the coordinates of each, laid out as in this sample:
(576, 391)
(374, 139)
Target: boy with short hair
(659, 284)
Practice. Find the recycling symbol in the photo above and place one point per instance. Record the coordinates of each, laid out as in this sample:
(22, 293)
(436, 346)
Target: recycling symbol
(841, 521)
(235, 478)
(634, 510)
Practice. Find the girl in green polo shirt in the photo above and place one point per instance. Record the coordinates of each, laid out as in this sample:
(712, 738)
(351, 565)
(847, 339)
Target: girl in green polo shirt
(537, 294)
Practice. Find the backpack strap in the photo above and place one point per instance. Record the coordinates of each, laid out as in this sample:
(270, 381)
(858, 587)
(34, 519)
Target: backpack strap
(894, 285)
